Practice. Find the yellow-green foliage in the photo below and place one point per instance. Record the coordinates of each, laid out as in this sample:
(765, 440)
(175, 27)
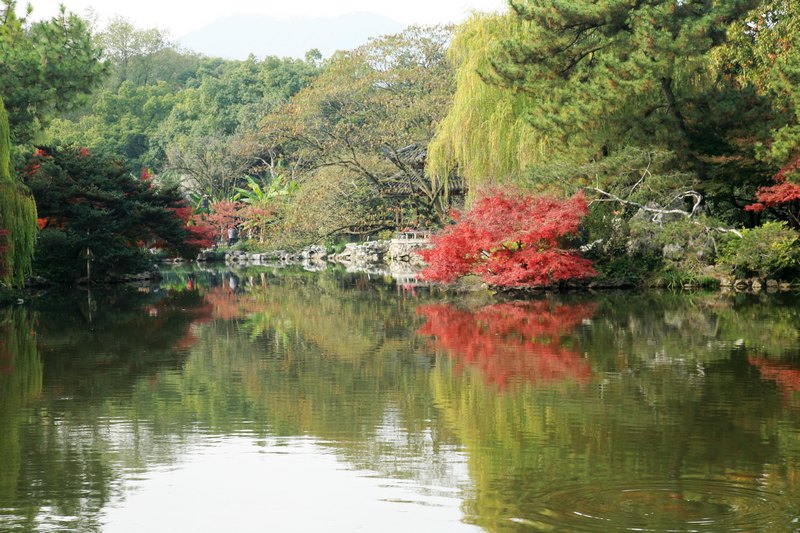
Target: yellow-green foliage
(17, 214)
(5, 144)
(17, 388)
(486, 135)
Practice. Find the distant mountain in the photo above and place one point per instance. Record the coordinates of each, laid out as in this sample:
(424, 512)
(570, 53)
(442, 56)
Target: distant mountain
(238, 36)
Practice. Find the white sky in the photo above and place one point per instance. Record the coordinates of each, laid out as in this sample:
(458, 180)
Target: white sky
(184, 16)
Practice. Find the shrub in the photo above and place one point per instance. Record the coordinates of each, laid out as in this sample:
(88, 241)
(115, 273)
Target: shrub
(621, 250)
(766, 251)
(511, 240)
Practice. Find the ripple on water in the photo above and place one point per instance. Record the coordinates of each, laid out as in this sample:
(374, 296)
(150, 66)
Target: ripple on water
(676, 505)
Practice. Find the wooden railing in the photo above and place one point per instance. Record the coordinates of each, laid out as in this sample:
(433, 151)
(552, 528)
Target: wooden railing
(413, 235)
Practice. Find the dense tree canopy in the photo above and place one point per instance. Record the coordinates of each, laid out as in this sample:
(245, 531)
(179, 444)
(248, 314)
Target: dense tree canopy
(764, 54)
(46, 68)
(365, 114)
(618, 71)
(93, 211)
(637, 102)
(684, 93)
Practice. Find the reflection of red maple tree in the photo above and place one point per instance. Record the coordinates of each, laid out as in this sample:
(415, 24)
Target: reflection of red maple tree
(227, 305)
(511, 341)
(787, 377)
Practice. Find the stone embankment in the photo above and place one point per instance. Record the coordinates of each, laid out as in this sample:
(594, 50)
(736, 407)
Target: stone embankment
(397, 257)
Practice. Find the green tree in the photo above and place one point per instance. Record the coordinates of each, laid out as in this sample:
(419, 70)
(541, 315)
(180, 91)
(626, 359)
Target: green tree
(17, 216)
(619, 70)
(94, 211)
(367, 116)
(764, 53)
(486, 136)
(558, 85)
(208, 140)
(121, 123)
(46, 68)
(129, 49)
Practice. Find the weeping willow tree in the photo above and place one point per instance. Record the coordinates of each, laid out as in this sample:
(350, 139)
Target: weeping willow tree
(17, 216)
(486, 136)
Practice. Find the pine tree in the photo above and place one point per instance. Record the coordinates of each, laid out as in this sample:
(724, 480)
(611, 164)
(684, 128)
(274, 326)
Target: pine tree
(91, 206)
(17, 216)
(604, 73)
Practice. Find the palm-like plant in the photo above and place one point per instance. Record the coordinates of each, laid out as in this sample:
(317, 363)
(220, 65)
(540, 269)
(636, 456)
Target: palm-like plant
(263, 203)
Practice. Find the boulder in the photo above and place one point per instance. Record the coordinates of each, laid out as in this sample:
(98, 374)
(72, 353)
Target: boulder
(673, 252)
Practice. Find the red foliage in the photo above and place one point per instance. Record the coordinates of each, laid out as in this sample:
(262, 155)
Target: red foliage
(201, 234)
(225, 214)
(783, 194)
(511, 240)
(511, 341)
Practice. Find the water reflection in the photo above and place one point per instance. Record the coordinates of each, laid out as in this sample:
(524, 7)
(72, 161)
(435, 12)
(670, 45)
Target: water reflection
(511, 341)
(676, 431)
(388, 409)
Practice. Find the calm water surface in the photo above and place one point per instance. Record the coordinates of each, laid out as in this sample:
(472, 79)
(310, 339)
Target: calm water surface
(291, 401)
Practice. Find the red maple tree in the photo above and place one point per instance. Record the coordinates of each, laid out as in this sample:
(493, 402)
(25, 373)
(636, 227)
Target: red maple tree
(784, 195)
(225, 214)
(511, 240)
(201, 234)
(511, 341)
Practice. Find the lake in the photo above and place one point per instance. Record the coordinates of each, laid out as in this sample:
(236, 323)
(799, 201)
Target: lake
(283, 400)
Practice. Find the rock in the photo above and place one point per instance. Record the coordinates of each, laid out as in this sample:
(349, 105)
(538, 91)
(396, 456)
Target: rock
(772, 284)
(673, 252)
(741, 284)
(756, 285)
(207, 255)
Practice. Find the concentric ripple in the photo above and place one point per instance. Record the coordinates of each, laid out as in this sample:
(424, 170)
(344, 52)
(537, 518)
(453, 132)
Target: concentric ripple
(677, 505)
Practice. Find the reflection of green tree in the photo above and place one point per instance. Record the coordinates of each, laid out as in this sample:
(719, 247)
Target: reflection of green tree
(106, 342)
(768, 325)
(336, 358)
(693, 328)
(314, 355)
(677, 401)
(92, 351)
(20, 383)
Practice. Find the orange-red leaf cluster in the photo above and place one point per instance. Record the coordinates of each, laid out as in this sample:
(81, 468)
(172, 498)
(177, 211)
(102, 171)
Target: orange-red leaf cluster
(511, 240)
(201, 234)
(785, 191)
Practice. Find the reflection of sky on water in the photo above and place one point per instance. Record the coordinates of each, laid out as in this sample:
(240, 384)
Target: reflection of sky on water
(295, 484)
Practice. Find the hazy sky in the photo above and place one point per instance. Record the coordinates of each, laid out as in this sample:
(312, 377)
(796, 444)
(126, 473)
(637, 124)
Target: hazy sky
(183, 16)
